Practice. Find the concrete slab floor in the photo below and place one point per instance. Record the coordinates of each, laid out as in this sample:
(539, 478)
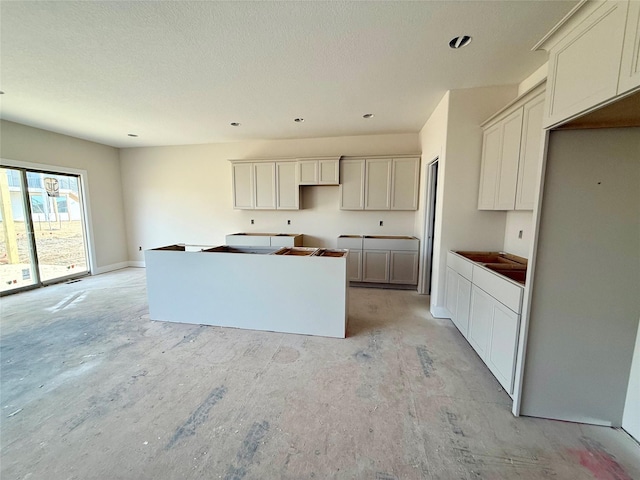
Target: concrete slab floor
(93, 389)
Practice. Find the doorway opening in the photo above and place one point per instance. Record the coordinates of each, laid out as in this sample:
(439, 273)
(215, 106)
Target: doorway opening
(430, 222)
(43, 236)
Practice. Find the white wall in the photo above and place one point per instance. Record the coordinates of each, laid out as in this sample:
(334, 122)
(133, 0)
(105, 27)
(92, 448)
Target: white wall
(518, 221)
(28, 145)
(183, 193)
(459, 223)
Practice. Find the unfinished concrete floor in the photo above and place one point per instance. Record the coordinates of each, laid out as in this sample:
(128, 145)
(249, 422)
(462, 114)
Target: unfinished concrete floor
(92, 389)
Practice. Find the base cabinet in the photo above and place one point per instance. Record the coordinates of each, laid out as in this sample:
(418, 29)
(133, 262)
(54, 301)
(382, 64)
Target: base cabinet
(375, 266)
(458, 300)
(354, 266)
(403, 268)
(480, 322)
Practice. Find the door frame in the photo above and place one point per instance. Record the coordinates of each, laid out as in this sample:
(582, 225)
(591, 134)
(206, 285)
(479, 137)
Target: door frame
(83, 179)
(429, 225)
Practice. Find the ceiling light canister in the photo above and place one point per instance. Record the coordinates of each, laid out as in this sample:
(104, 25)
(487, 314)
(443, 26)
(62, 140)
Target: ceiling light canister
(459, 42)
(234, 124)
(131, 135)
(298, 120)
(368, 115)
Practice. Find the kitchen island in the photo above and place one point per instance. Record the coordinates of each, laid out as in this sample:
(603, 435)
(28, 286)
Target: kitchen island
(290, 289)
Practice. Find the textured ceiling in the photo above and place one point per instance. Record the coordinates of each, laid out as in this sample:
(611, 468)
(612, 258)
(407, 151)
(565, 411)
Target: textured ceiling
(180, 72)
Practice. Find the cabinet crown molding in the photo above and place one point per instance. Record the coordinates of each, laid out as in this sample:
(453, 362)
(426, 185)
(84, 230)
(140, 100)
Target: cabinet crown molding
(517, 102)
(281, 159)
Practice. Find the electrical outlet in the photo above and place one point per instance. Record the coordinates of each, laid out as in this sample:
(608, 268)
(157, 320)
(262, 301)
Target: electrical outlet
(252, 222)
(381, 223)
(139, 249)
(520, 234)
(288, 222)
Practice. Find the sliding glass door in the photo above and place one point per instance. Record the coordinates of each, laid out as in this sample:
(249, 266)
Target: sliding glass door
(44, 213)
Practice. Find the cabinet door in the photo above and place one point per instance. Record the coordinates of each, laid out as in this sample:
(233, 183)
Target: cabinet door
(509, 156)
(288, 192)
(328, 172)
(375, 266)
(630, 66)
(503, 344)
(463, 305)
(480, 321)
(352, 186)
(530, 153)
(242, 185)
(404, 183)
(491, 146)
(264, 175)
(308, 172)
(451, 294)
(354, 267)
(404, 268)
(377, 190)
(584, 66)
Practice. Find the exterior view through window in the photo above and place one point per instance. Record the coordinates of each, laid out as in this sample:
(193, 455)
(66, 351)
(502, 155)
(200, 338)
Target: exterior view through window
(42, 239)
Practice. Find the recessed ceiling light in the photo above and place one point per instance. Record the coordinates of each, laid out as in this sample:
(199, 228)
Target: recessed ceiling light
(131, 135)
(459, 42)
(234, 124)
(1, 92)
(298, 120)
(367, 115)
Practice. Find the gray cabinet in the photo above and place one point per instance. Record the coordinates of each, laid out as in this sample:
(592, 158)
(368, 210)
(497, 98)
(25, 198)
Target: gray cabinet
(375, 266)
(243, 196)
(264, 178)
(377, 185)
(458, 300)
(403, 267)
(352, 174)
(353, 243)
(287, 191)
(265, 185)
(319, 171)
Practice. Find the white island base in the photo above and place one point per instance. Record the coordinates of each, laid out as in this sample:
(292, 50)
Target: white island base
(286, 290)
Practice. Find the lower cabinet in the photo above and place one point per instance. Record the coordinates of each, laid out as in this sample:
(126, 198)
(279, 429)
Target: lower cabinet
(457, 300)
(493, 333)
(375, 266)
(354, 265)
(403, 268)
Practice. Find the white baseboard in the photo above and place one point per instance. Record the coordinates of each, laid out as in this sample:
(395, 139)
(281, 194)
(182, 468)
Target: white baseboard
(439, 312)
(110, 268)
(137, 264)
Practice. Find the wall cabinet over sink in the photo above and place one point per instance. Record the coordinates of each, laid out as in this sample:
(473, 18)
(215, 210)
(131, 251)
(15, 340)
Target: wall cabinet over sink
(319, 171)
(511, 153)
(379, 183)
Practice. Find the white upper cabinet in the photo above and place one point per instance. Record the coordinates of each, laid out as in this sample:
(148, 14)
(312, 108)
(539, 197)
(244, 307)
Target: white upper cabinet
(405, 175)
(630, 66)
(585, 56)
(511, 153)
(377, 193)
(530, 153)
(264, 175)
(287, 191)
(242, 185)
(319, 171)
(380, 183)
(352, 186)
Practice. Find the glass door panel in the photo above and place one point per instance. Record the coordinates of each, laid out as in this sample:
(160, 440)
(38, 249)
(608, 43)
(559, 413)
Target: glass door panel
(17, 261)
(57, 213)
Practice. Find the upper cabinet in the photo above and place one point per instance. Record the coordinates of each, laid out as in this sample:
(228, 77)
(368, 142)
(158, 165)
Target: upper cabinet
(511, 152)
(265, 185)
(593, 58)
(319, 171)
(379, 183)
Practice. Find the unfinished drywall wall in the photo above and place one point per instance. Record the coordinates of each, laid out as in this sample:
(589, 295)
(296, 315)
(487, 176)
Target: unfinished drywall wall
(459, 223)
(184, 193)
(34, 146)
(585, 305)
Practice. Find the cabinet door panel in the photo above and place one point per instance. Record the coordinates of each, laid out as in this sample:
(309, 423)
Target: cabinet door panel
(584, 66)
(352, 186)
(463, 305)
(530, 153)
(354, 267)
(377, 192)
(328, 172)
(404, 183)
(630, 66)
(491, 146)
(375, 266)
(404, 268)
(242, 185)
(265, 185)
(308, 172)
(288, 192)
(503, 345)
(451, 293)
(509, 156)
(480, 321)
